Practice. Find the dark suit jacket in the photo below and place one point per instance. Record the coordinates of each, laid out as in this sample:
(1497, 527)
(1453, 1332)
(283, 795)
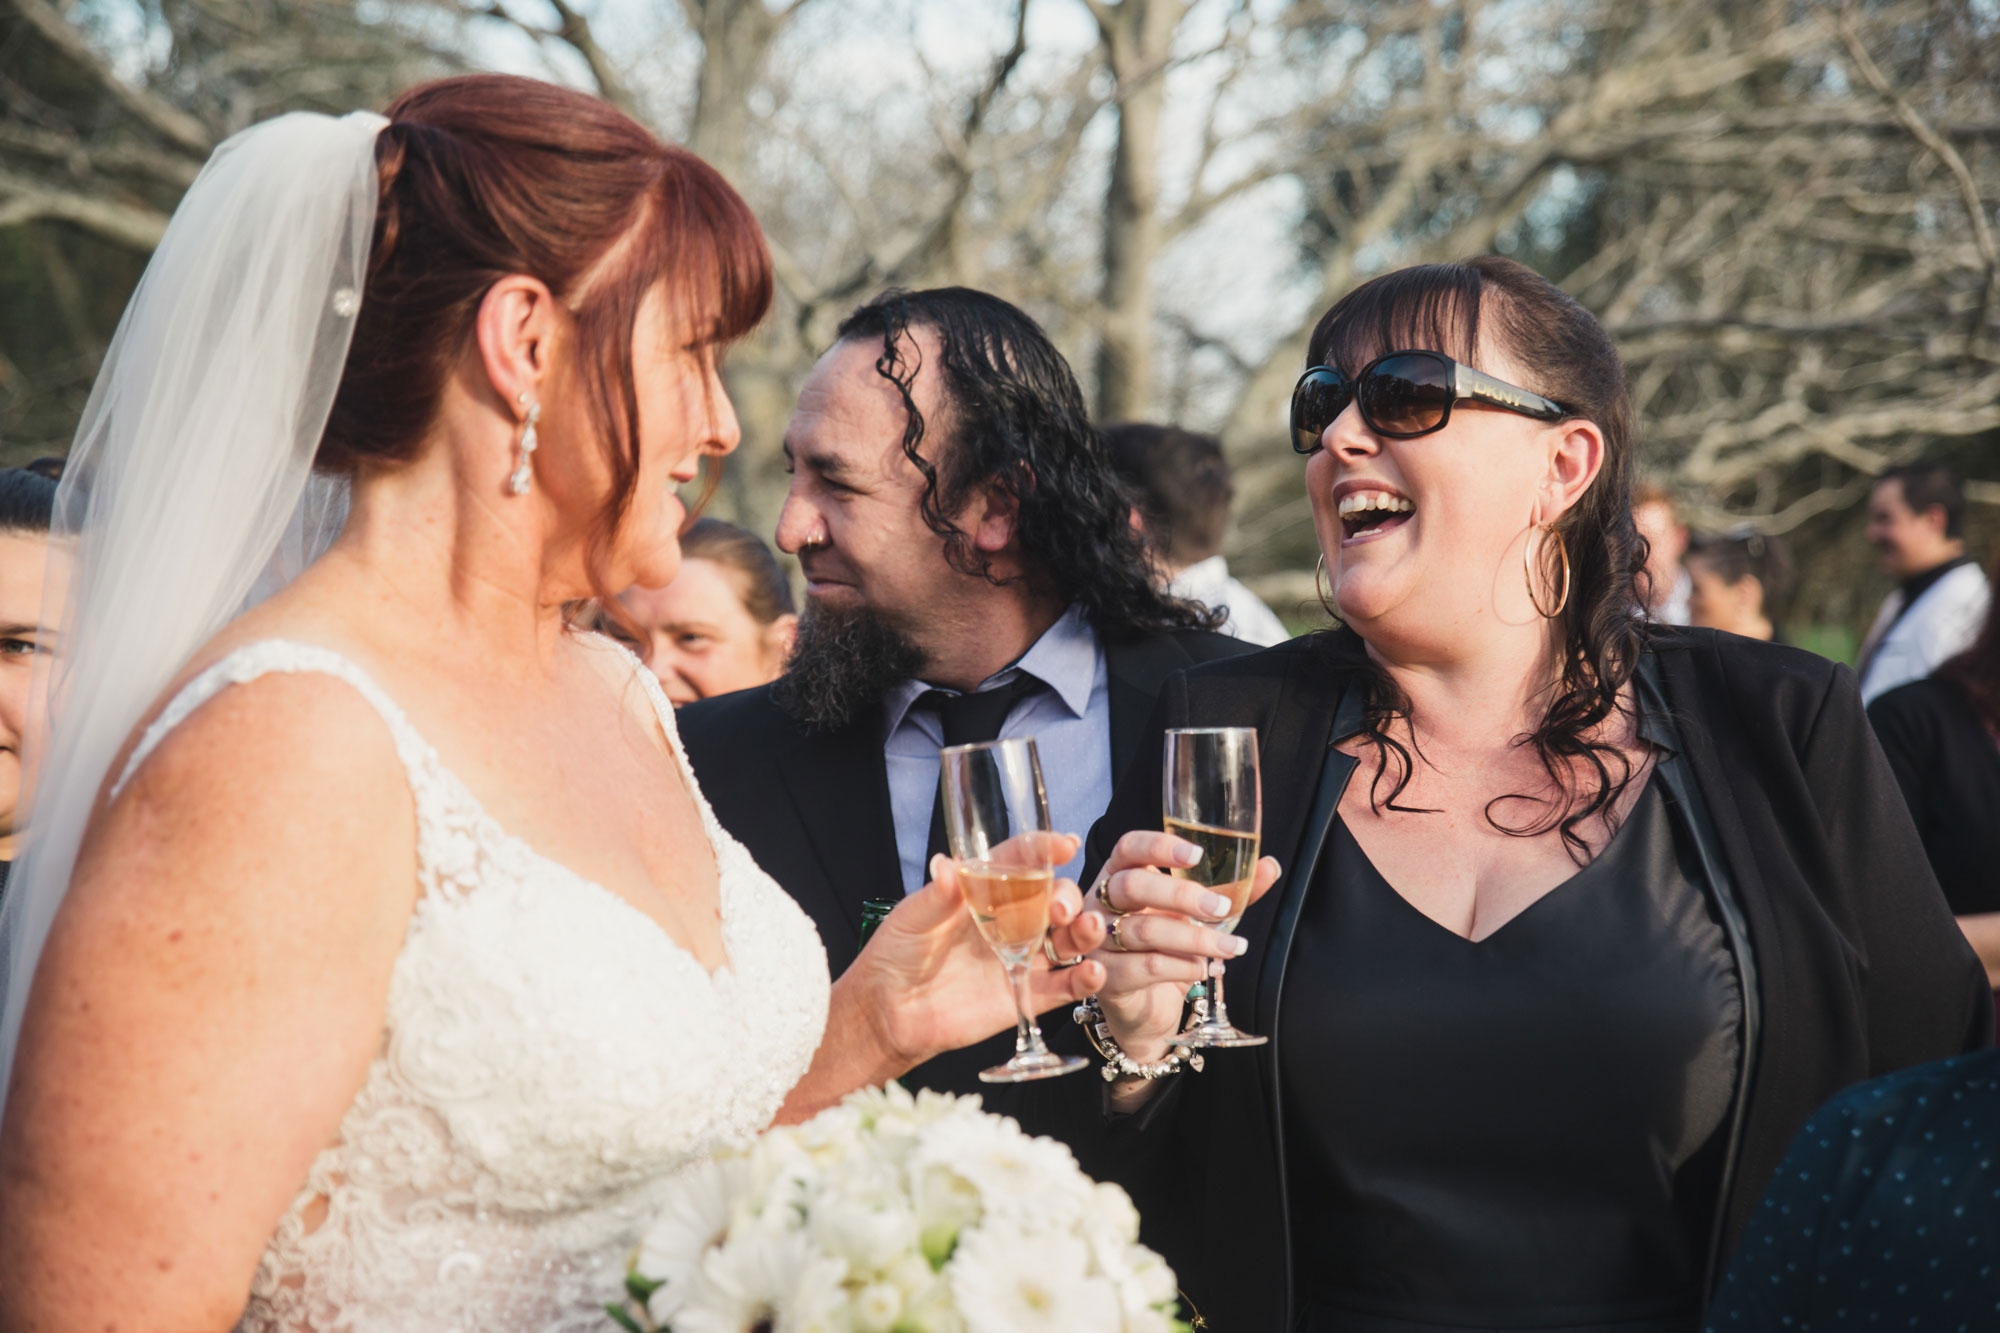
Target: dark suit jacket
(1854, 966)
(813, 806)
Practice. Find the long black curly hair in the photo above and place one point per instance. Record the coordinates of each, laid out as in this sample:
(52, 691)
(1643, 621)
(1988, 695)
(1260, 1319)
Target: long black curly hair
(1015, 419)
(1567, 357)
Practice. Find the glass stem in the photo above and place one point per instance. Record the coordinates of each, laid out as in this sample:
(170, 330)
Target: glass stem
(1027, 1035)
(1218, 1012)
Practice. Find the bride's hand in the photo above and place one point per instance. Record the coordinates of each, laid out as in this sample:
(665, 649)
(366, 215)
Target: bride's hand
(938, 986)
(1161, 944)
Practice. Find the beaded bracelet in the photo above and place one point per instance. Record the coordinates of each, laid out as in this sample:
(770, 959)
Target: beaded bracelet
(1090, 1017)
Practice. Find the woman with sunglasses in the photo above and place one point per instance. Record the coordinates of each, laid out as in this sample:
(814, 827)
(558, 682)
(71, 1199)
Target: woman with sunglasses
(1579, 916)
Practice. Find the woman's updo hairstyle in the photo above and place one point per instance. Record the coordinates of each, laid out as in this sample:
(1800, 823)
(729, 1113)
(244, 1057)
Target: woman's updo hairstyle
(490, 175)
(1564, 355)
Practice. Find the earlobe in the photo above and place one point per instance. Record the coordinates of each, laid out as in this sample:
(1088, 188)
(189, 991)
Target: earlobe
(512, 329)
(999, 515)
(778, 638)
(1574, 462)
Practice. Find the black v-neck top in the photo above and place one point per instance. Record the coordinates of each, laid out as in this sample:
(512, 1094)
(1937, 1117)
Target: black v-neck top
(1509, 1134)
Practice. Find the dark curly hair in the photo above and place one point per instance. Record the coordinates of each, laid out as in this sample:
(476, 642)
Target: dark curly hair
(1016, 420)
(1568, 357)
(1977, 670)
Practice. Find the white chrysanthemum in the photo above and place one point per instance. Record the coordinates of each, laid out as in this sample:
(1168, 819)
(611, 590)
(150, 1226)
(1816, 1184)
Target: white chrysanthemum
(784, 1175)
(1008, 1280)
(1146, 1292)
(1017, 1175)
(763, 1275)
(862, 1214)
(697, 1212)
(947, 1203)
(877, 1307)
(818, 1302)
(932, 1310)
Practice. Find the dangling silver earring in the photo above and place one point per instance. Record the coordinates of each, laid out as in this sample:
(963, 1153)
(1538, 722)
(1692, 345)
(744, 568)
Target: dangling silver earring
(523, 471)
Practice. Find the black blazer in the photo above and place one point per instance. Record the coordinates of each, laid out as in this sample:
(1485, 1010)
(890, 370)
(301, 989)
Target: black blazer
(1853, 964)
(813, 806)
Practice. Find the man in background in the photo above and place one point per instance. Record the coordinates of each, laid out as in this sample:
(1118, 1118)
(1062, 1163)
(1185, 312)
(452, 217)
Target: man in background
(1916, 517)
(1181, 486)
(1659, 522)
(971, 574)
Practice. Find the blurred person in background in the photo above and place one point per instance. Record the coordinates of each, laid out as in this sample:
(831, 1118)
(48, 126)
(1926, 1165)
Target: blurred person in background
(1916, 520)
(1181, 486)
(1942, 735)
(27, 503)
(1666, 588)
(724, 624)
(1736, 582)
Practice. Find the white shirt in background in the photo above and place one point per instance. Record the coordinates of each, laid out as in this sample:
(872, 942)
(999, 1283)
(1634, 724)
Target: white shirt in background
(1908, 645)
(1208, 582)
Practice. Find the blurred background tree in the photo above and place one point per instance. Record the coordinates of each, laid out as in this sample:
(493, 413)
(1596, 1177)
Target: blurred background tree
(1784, 210)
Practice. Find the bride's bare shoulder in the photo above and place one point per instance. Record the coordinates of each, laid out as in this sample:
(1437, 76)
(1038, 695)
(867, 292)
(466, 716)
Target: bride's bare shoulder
(289, 768)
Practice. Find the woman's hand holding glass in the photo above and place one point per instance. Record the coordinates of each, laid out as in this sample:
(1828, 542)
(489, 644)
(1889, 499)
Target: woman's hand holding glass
(1160, 941)
(935, 975)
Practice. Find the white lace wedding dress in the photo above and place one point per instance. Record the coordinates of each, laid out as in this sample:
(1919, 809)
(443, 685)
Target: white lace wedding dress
(551, 1057)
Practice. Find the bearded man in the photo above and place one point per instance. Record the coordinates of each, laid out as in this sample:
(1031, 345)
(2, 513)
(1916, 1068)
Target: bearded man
(971, 573)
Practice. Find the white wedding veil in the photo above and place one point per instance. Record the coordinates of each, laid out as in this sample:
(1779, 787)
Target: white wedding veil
(188, 494)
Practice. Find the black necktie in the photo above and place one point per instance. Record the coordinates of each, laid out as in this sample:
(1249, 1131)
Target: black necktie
(966, 720)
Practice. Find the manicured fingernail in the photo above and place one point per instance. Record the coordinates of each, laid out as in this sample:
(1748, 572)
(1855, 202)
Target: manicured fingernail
(1215, 969)
(1187, 854)
(1092, 918)
(937, 861)
(1214, 904)
(1238, 946)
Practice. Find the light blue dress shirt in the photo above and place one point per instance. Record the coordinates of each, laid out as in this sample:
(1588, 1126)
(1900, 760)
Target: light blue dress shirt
(1070, 721)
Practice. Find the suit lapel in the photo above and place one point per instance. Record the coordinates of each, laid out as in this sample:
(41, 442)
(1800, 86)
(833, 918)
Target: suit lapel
(1136, 670)
(1295, 738)
(840, 787)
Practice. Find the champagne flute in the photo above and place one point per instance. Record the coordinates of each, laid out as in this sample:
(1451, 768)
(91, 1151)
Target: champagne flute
(1212, 796)
(996, 813)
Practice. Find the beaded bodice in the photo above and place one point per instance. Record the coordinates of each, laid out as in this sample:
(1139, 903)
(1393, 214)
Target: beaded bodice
(550, 1057)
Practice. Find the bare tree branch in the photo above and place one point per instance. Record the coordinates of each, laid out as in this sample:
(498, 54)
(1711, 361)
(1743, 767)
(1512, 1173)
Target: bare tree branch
(23, 201)
(1931, 139)
(161, 117)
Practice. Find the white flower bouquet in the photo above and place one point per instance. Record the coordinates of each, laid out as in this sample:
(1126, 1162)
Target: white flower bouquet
(897, 1214)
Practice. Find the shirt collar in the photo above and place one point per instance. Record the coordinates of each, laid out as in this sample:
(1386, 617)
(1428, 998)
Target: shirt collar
(1917, 585)
(1065, 659)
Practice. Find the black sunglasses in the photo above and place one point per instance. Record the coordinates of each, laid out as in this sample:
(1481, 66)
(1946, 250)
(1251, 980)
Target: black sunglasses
(1404, 394)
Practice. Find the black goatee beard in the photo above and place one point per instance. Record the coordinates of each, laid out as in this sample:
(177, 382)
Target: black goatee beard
(843, 661)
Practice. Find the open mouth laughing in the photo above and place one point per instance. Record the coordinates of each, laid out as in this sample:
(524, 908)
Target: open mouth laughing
(1372, 512)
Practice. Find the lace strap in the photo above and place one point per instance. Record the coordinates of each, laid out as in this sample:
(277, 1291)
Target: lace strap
(252, 660)
(663, 711)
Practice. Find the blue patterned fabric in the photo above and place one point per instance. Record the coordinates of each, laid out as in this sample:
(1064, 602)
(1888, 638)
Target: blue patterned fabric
(1885, 1214)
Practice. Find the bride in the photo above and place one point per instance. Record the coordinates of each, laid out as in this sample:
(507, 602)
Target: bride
(399, 961)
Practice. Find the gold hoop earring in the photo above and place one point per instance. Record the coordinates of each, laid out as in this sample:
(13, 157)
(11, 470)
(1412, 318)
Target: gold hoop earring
(1528, 573)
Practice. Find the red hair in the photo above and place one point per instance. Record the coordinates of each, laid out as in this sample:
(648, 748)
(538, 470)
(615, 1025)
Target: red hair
(491, 174)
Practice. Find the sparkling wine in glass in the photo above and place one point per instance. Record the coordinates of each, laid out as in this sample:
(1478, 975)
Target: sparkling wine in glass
(1212, 796)
(996, 813)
